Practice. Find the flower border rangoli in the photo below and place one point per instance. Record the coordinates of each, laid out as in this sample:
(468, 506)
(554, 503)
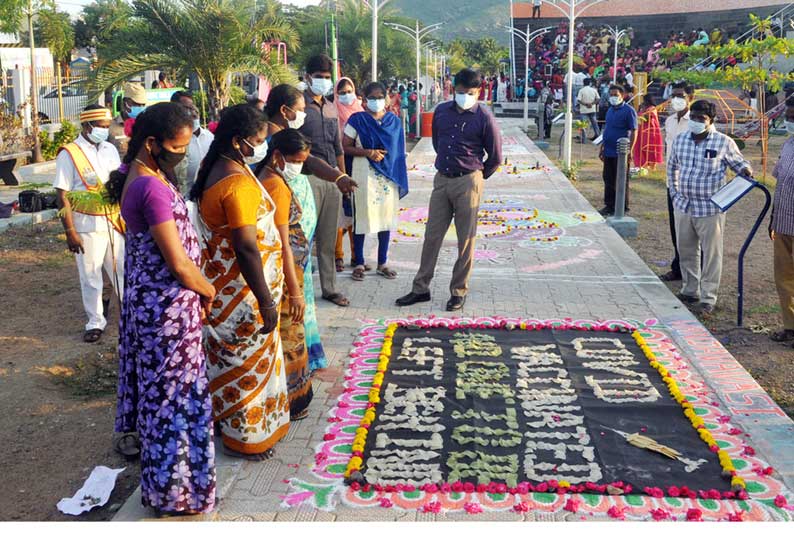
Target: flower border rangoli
(757, 494)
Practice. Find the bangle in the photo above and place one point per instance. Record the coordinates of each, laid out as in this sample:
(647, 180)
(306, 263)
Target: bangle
(296, 297)
(270, 306)
(69, 229)
(340, 177)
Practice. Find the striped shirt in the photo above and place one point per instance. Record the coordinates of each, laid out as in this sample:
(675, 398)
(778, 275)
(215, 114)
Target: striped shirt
(783, 210)
(696, 171)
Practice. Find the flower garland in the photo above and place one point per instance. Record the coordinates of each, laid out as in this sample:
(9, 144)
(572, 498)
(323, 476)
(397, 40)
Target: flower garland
(737, 482)
(561, 486)
(360, 440)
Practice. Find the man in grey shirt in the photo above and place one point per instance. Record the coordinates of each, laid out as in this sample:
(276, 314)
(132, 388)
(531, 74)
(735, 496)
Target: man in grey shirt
(322, 127)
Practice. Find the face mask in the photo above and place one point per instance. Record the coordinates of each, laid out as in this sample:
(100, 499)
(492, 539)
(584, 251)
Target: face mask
(789, 127)
(136, 110)
(290, 170)
(347, 99)
(696, 127)
(298, 121)
(168, 160)
(321, 87)
(465, 101)
(98, 135)
(615, 100)
(260, 151)
(376, 106)
(678, 104)
(196, 125)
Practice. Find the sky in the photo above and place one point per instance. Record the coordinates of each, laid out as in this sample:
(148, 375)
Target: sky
(74, 7)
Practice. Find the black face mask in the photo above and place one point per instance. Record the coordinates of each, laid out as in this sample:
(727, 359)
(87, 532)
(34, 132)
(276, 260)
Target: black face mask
(168, 160)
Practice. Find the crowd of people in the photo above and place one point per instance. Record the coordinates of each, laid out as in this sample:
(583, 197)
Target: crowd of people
(208, 237)
(208, 240)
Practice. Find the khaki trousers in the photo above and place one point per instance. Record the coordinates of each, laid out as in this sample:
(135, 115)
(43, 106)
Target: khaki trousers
(457, 198)
(328, 201)
(784, 277)
(696, 234)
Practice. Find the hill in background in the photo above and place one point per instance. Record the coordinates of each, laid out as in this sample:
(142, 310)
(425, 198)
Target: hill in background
(465, 19)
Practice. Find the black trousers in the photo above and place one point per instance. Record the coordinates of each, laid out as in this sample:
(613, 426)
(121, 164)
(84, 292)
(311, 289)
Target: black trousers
(610, 175)
(536, 10)
(675, 267)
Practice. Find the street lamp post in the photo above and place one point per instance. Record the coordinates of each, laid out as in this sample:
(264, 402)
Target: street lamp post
(570, 9)
(512, 51)
(375, 6)
(527, 38)
(617, 35)
(417, 34)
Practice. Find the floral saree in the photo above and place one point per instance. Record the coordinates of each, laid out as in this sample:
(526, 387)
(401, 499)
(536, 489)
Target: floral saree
(246, 367)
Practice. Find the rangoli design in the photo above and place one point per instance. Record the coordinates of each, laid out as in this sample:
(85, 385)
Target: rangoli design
(444, 415)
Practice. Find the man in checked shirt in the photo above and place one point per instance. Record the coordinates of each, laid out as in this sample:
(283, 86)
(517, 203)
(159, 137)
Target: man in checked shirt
(781, 229)
(696, 168)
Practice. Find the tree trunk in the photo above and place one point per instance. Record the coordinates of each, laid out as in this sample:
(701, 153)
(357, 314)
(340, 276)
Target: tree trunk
(217, 96)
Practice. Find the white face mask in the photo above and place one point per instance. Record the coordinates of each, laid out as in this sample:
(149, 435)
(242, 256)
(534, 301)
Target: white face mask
(615, 100)
(297, 122)
(97, 135)
(465, 101)
(290, 170)
(696, 127)
(321, 87)
(196, 125)
(678, 104)
(347, 99)
(789, 127)
(376, 106)
(260, 151)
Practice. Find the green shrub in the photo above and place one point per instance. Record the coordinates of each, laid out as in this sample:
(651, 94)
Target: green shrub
(67, 133)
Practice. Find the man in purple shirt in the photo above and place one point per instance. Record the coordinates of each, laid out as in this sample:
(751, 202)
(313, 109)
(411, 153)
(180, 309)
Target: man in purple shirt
(464, 133)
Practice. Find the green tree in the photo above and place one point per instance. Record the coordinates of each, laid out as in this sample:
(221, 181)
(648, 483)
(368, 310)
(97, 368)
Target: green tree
(748, 65)
(99, 20)
(354, 22)
(54, 29)
(211, 38)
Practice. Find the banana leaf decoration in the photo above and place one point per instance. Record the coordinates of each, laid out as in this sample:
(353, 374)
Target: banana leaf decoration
(96, 203)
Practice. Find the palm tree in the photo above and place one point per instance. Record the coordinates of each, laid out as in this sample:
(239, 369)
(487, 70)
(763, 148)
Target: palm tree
(211, 38)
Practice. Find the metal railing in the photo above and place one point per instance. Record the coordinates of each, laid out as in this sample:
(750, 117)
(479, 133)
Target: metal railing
(59, 97)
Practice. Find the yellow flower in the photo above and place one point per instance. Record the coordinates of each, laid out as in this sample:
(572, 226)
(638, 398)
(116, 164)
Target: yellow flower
(564, 483)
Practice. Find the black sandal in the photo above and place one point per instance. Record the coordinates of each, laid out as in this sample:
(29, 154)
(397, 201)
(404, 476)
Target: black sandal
(128, 445)
(92, 335)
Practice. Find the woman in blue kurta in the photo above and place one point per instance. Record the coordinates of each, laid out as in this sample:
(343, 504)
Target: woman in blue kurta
(163, 389)
(376, 140)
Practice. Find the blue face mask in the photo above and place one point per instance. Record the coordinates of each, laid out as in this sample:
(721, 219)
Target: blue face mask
(136, 110)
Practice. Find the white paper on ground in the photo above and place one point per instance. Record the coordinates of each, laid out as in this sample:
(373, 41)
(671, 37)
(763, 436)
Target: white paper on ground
(95, 492)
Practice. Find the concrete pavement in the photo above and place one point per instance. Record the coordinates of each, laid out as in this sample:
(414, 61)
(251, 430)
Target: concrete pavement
(568, 264)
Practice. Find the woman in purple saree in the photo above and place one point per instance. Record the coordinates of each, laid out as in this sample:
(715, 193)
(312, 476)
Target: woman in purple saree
(163, 389)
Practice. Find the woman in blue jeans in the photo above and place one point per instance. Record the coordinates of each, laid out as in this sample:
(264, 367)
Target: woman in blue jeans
(376, 140)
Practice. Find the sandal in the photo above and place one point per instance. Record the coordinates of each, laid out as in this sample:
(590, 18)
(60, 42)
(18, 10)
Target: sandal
(299, 416)
(337, 299)
(384, 271)
(366, 267)
(92, 335)
(782, 335)
(128, 445)
(358, 273)
(340, 265)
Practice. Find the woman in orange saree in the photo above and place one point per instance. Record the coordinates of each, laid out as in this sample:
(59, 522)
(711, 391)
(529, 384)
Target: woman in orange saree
(242, 259)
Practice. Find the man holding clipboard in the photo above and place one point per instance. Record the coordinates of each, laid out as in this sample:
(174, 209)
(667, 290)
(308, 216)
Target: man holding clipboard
(696, 169)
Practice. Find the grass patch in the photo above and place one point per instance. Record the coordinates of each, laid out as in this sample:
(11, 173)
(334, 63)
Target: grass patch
(763, 309)
(95, 375)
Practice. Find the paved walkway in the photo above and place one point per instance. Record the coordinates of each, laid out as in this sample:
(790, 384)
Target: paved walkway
(576, 267)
